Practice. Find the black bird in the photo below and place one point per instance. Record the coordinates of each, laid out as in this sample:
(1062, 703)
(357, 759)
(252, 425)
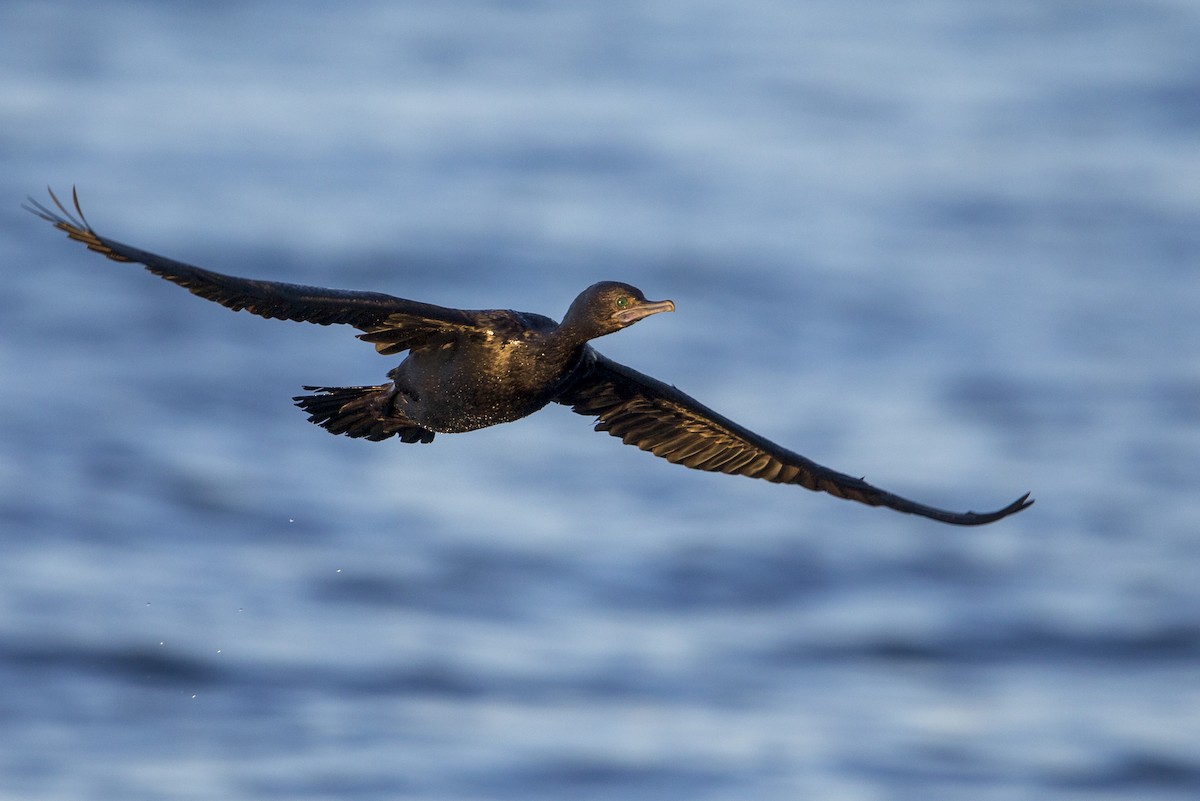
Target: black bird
(471, 369)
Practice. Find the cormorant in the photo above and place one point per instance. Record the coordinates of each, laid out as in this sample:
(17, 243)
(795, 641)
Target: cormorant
(470, 369)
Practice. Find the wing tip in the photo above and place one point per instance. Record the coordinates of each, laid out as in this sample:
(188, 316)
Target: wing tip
(74, 224)
(982, 518)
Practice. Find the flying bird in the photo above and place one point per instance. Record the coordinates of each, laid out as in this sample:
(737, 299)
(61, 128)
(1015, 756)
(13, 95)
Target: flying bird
(472, 369)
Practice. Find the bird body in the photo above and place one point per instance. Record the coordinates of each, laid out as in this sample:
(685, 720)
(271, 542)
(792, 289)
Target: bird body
(506, 371)
(469, 369)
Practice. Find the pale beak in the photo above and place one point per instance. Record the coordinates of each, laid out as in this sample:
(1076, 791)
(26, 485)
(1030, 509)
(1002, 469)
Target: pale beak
(643, 309)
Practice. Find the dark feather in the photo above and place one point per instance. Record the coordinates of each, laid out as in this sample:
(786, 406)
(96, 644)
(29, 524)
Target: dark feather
(657, 417)
(406, 322)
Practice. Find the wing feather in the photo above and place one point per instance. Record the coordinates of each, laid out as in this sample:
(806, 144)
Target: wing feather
(392, 323)
(658, 418)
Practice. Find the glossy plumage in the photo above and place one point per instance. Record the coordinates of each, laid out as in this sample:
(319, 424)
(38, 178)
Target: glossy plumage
(470, 369)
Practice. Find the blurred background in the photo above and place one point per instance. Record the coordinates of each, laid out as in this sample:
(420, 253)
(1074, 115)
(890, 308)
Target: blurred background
(952, 246)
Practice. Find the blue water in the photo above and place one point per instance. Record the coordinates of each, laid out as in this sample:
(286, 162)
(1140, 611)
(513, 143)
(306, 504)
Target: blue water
(954, 246)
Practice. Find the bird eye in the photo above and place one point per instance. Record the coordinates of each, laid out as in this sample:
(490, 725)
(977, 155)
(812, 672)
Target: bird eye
(622, 302)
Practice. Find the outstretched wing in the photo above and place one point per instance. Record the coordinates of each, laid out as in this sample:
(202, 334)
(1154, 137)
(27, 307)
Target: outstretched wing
(658, 418)
(392, 323)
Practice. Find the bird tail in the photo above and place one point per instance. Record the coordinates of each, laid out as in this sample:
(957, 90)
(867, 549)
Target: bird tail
(360, 412)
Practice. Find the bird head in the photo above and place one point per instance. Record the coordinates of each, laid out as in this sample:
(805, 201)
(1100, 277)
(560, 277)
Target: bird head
(610, 306)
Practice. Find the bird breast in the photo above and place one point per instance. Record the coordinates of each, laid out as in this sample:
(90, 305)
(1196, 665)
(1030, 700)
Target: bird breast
(469, 384)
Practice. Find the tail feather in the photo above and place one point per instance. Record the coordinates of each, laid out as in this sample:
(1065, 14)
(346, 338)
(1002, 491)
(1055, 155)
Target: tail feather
(359, 412)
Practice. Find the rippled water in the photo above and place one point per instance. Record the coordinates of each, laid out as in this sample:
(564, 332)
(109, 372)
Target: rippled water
(950, 245)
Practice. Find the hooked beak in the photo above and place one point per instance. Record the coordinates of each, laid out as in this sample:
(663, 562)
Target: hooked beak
(644, 309)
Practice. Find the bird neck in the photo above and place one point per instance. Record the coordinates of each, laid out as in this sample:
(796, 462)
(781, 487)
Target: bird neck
(563, 343)
(579, 326)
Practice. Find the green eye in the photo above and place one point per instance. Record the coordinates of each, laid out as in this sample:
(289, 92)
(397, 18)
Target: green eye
(622, 302)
